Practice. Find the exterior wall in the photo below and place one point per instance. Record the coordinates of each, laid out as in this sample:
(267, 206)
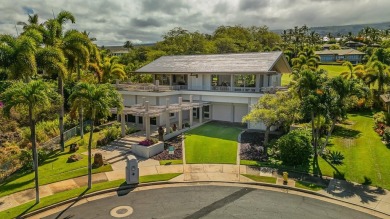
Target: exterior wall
(195, 82)
(240, 110)
(222, 112)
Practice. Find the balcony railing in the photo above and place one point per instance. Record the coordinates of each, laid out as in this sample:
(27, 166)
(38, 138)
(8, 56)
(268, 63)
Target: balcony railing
(163, 88)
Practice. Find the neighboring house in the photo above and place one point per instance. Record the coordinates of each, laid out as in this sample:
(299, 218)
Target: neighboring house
(191, 88)
(354, 45)
(354, 56)
(117, 50)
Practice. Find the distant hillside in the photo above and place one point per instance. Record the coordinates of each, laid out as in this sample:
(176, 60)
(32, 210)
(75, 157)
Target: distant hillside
(343, 30)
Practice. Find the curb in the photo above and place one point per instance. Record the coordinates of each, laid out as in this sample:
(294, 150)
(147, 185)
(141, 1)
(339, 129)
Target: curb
(126, 187)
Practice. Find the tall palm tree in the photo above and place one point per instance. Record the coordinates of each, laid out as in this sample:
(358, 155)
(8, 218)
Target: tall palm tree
(73, 45)
(306, 59)
(17, 54)
(353, 72)
(112, 69)
(97, 100)
(35, 95)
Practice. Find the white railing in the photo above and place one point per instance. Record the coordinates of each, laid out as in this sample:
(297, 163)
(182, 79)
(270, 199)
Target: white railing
(155, 88)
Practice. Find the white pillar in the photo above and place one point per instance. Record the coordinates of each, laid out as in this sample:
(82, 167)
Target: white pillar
(167, 118)
(143, 117)
(123, 124)
(257, 79)
(231, 82)
(191, 111)
(147, 120)
(180, 114)
(201, 114)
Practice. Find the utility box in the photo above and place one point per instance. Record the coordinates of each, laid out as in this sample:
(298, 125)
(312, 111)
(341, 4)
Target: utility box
(132, 171)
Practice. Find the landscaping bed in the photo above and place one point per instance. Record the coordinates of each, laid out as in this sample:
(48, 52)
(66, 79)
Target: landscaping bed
(176, 142)
(252, 145)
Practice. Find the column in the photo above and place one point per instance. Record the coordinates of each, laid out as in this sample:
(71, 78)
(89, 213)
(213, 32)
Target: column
(201, 114)
(231, 82)
(167, 117)
(180, 114)
(191, 112)
(143, 117)
(147, 120)
(257, 83)
(123, 124)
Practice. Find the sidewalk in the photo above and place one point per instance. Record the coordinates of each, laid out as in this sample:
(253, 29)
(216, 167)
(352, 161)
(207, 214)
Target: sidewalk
(366, 196)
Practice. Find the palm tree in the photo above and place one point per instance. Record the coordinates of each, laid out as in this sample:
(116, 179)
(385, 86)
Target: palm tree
(112, 69)
(378, 73)
(35, 95)
(306, 59)
(353, 72)
(96, 100)
(17, 54)
(128, 45)
(73, 45)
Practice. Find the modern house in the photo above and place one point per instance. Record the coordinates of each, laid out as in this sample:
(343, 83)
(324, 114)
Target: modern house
(196, 88)
(354, 56)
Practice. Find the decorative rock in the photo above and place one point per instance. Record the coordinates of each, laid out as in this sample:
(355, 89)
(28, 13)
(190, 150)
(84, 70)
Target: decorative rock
(102, 142)
(98, 160)
(73, 148)
(74, 157)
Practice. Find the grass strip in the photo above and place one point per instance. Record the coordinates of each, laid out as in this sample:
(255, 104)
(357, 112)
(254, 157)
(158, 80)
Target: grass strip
(62, 196)
(265, 179)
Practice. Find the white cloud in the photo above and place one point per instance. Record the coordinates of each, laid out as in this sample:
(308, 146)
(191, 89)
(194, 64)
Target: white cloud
(113, 22)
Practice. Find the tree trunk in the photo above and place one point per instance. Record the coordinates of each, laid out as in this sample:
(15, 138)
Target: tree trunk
(313, 130)
(329, 134)
(266, 137)
(90, 152)
(61, 118)
(35, 153)
(81, 107)
(317, 137)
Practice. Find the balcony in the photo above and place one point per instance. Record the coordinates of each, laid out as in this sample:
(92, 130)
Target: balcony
(165, 88)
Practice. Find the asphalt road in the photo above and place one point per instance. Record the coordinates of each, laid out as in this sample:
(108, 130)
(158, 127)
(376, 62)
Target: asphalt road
(208, 202)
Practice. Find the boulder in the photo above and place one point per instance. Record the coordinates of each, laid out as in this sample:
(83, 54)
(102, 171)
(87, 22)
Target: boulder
(73, 148)
(74, 157)
(98, 160)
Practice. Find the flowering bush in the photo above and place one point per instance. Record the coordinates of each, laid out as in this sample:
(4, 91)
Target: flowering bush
(148, 142)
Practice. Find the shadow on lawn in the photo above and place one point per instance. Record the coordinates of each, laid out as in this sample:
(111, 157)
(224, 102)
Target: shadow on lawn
(343, 132)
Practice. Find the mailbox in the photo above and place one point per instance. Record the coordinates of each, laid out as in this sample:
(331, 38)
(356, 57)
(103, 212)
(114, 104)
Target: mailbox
(132, 171)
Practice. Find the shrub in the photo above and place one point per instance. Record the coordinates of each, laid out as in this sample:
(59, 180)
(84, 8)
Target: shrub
(131, 130)
(386, 134)
(336, 157)
(187, 125)
(26, 158)
(148, 142)
(113, 133)
(380, 118)
(295, 147)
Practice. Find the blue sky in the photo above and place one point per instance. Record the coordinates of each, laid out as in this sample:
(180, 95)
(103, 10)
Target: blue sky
(113, 22)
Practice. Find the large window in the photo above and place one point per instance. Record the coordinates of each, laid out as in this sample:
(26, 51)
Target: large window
(164, 79)
(247, 80)
(206, 111)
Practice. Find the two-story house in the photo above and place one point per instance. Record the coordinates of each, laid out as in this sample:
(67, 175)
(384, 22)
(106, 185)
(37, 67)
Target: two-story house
(192, 88)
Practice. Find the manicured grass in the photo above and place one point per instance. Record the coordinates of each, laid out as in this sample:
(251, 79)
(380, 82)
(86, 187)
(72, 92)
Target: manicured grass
(54, 169)
(265, 179)
(308, 185)
(366, 157)
(170, 162)
(62, 196)
(212, 143)
(333, 71)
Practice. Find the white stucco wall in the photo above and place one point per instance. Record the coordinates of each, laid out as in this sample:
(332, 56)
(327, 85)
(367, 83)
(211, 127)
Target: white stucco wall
(222, 112)
(240, 110)
(195, 83)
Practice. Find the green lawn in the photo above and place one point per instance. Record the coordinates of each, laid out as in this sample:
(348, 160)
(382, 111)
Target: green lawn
(49, 200)
(366, 157)
(333, 71)
(265, 179)
(54, 169)
(308, 185)
(212, 143)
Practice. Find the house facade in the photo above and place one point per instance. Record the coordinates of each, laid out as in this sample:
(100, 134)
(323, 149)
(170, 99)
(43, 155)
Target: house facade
(198, 88)
(351, 55)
